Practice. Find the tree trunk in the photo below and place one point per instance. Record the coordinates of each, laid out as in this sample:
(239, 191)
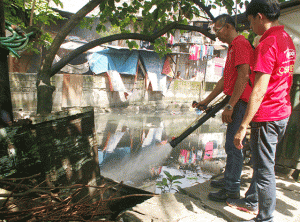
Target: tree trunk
(44, 88)
(44, 99)
(5, 96)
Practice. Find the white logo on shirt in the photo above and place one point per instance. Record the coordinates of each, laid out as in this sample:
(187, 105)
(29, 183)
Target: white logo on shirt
(290, 54)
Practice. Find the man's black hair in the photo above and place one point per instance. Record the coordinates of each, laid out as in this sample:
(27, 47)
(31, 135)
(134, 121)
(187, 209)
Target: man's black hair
(225, 18)
(270, 8)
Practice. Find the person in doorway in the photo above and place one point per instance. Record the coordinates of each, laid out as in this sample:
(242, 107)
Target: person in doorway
(178, 76)
(234, 83)
(269, 105)
(193, 78)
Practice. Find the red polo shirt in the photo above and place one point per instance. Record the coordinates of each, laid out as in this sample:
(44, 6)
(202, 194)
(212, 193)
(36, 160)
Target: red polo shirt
(275, 55)
(239, 52)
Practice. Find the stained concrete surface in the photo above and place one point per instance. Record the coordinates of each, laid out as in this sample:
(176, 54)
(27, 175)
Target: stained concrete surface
(192, 204)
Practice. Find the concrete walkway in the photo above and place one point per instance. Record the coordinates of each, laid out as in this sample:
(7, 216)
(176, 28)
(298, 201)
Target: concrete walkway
(192, 204)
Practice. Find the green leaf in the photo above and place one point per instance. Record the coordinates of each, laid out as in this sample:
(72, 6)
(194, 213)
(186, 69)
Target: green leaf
(159, 183)
(168, 174)
(192, 178)
(164, 182)
(177, 182)
(102, 6)
(111, 3)
(58, 2)
(177, 177)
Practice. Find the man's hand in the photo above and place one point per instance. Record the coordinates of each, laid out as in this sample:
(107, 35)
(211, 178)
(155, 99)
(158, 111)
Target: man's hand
(226, 116)
(239, 137)
(202, 105)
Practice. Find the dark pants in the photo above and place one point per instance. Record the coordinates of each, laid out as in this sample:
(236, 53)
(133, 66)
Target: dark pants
(234, 162)
(264, 139)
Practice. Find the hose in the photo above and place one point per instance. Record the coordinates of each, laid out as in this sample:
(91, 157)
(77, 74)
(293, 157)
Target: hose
(16, 41)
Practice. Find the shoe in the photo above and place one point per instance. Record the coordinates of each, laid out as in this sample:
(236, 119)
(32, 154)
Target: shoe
(253, 220)
(222, 195)
(242, 205)
(218, 183)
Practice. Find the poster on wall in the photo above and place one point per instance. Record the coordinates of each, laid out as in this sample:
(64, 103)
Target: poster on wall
(214, 69)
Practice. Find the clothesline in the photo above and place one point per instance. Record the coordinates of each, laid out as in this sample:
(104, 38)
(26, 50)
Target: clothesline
(199, 52)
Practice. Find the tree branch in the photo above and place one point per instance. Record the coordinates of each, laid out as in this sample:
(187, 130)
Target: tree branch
(31, 13)
(60, 37)
(197, 29)
(137, 36)
(205, 8)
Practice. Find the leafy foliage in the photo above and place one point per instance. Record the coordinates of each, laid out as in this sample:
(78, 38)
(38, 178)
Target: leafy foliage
(249, 34)
(147, 17)
(19, 12)
(139, 16)
(166, 184)
(160, 46)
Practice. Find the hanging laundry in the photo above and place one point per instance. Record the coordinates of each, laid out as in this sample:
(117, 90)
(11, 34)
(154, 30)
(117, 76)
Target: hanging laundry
(167, 68)
(203, 52)
(210, 52)
(115, 81)
(116, 84)
(194, 52)
(154, 67)
(171, 39)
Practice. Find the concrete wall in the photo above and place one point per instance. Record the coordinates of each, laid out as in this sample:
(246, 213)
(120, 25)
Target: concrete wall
(88, 90)
(61, 146)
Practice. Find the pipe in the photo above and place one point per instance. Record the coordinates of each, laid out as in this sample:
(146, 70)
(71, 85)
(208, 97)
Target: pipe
(210, 112)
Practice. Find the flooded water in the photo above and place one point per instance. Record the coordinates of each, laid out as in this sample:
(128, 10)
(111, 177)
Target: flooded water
(134, 148)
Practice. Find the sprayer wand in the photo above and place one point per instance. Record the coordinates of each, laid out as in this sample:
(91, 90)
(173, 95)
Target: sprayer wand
(208, 113)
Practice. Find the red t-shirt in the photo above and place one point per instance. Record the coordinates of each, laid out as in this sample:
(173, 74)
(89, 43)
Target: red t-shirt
(275, 55)
(239, 52)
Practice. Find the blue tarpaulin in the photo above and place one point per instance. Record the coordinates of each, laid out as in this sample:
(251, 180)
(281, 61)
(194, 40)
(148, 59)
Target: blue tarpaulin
(123, 61)
(152, 62)
(154, 66)
(114, 62)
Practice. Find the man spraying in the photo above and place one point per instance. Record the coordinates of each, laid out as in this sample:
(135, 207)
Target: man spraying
(234, 83)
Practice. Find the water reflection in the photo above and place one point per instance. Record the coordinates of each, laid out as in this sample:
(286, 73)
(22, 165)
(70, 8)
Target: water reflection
(134, 148)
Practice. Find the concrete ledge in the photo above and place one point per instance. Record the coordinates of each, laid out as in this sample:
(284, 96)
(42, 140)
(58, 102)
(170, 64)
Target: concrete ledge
(170, 207)
(192, 204)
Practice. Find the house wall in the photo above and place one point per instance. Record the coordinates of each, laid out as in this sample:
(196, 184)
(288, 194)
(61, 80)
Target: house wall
(93, 90)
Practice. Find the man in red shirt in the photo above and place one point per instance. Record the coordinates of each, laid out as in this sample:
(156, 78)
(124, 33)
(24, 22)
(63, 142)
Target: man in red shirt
(234, 83)
(269, 105)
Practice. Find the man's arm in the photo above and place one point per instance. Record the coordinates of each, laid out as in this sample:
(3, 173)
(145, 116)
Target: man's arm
(259, 90)
(239, 87)
(240, 84)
